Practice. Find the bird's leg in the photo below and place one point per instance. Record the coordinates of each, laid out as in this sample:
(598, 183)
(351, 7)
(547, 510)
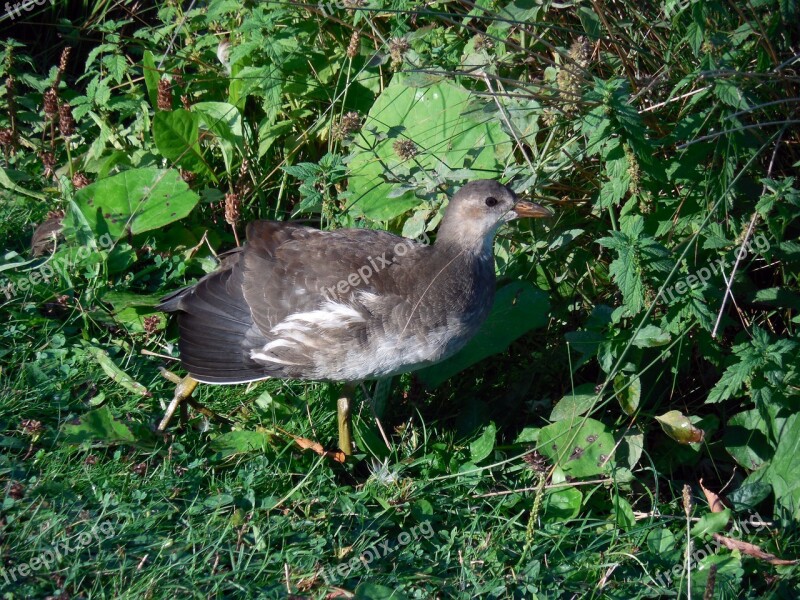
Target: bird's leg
(183, 389)
(343, 412)
(377, 402)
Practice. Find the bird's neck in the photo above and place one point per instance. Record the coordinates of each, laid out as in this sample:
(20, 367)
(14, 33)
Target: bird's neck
(466, 239)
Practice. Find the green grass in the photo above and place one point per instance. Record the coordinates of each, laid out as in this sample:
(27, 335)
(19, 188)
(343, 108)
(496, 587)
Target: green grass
(663, 135)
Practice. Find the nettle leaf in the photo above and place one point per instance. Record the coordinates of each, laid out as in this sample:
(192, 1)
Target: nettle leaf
(727, 92)
(636, 254)
(626, 269)
(753, 356)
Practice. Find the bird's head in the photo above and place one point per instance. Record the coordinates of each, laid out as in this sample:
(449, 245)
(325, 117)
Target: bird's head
(479, 208)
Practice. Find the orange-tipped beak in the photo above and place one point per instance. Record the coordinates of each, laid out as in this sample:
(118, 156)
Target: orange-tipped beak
(523, 209)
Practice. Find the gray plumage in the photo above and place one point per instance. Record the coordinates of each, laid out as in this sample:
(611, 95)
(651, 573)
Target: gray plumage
(298, 303)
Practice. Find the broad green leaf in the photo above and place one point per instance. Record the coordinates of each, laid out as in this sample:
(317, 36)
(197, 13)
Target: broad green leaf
(225, 122)
(728, 574)
(482, 447)
(661, 541)
(711, 523)
(628, 392)
(650, 336)
(579, 402)
(581, 449)
(749, 495)
(441, 124)
(99, 425)
(177, 134)
(375, 591)
(240, 442)
(746, 439)
(518, 308)
(562, 504)
(137, 200)
(783, 471)
(7, 183)
(528, 435)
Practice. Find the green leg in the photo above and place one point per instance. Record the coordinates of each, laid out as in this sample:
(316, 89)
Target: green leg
(183, 390)
(344, 410)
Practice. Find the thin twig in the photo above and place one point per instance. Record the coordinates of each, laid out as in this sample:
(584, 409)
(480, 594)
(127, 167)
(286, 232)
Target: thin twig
(741, 253)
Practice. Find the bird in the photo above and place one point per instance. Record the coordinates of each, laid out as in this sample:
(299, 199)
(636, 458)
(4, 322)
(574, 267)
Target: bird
(347, 305)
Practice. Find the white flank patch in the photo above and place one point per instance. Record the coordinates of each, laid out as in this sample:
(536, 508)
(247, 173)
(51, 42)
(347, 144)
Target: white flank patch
(332, 315)
(264, 358)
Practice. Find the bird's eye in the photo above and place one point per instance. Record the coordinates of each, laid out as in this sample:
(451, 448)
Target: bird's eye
(491, 201)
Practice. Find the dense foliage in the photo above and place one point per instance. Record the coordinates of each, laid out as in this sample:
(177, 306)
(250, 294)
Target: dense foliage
(641, 359)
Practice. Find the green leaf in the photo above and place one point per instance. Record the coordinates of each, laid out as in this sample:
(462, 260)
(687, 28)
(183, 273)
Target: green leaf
(439, 120)
(241, 442)
(628, 392)
(375, 591)
(727, 92)
(177, 135)
(225, 122)
(482, 447)
(562, 505)
(746, 439)
(518, 308)
(783, 471)
(650, 336)
(100, 426)
(136, 200)
(694, 36)
(580, 448)
(727, 575)
(151, 77)
(711, 523)
(661, 541)
(579, 402)
(623, 512)
(114, 372)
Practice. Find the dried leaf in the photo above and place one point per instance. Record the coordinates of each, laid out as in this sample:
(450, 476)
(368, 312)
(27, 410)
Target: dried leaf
(751, 550)
(715, 503)
(307, 444)
(678, 426)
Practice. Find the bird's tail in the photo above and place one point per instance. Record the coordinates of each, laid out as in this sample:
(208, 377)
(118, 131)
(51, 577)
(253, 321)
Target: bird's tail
(216, 329)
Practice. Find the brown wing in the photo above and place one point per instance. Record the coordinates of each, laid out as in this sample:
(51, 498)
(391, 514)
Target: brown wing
(260, 297)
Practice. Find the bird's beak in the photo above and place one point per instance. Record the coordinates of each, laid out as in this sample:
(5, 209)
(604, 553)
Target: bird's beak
(523, 209)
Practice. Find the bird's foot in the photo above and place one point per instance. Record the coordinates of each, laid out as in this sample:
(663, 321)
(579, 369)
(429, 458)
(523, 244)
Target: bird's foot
(183, 398)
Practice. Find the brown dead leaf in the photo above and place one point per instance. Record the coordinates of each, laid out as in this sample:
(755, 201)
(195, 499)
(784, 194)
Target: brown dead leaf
(715, 503)
(751, 550)
(307, 444)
